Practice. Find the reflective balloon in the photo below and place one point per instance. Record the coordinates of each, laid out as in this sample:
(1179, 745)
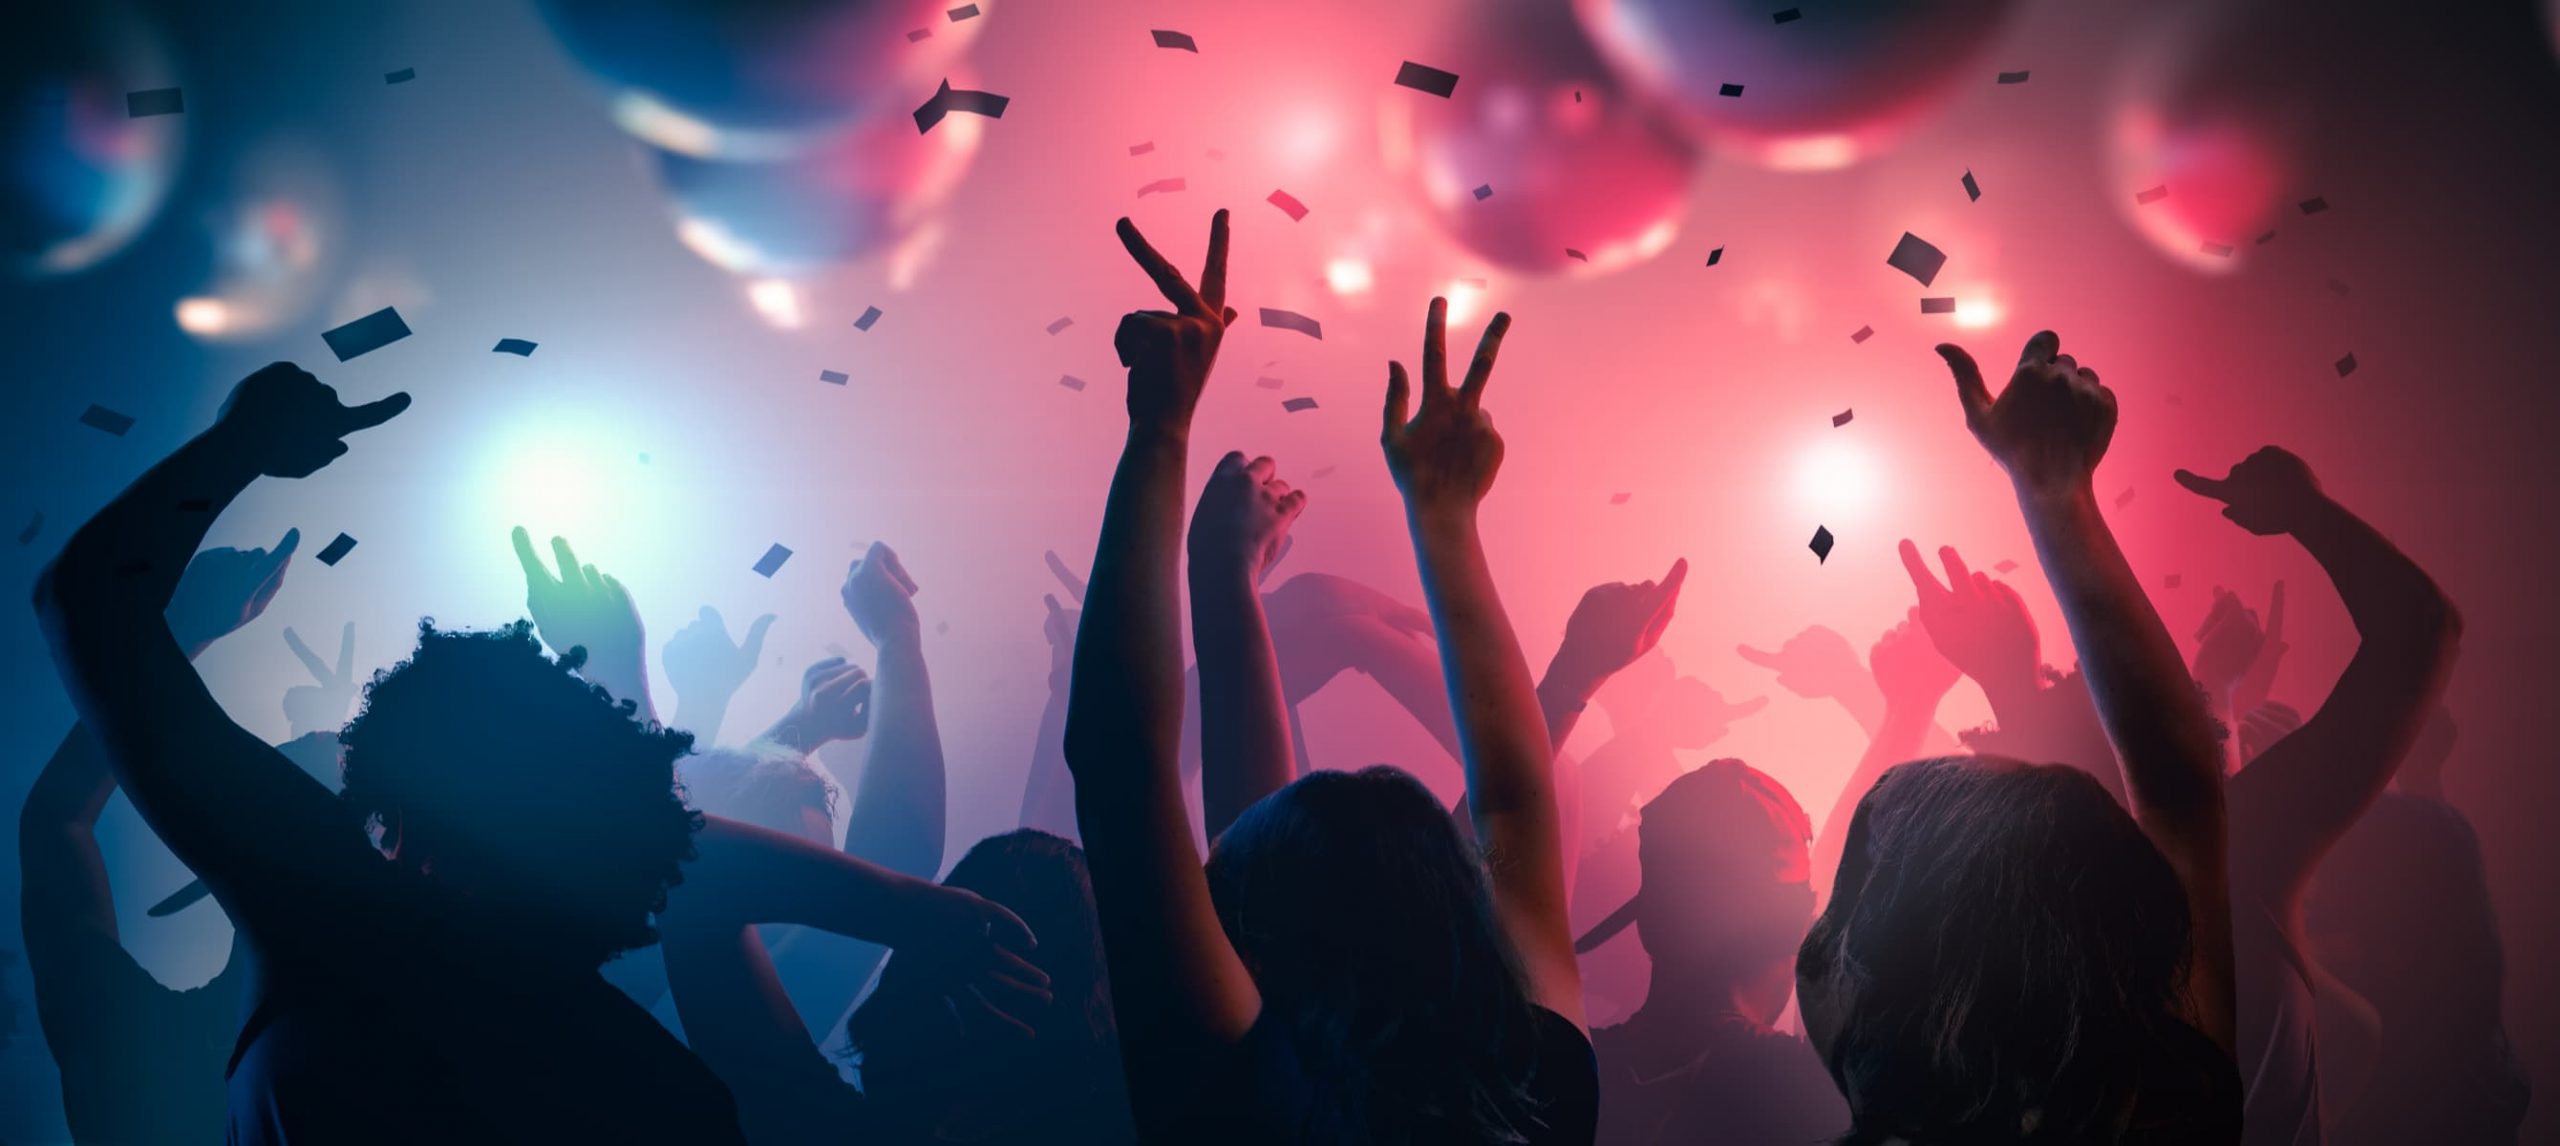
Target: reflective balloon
(1571, 162)
(79, 177)
(1819, 91)
(855, 195)
(742, 78)
(2213, 109)
(277, 239)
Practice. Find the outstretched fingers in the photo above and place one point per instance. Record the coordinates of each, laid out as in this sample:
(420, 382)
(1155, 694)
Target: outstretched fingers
(2196, 483)
(1972, 392)
(1169, 282)
(1480, 371)
(1399, 401)
(1922, 579)
(1213, 272)
(1435, 351)
(371, 414)
(311, 661)
(535, 572)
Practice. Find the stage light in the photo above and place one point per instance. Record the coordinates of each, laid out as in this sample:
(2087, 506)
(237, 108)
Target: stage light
(778, 302)
(1348, 276)
(1978, 313)
(1837, 480)
(204, 316)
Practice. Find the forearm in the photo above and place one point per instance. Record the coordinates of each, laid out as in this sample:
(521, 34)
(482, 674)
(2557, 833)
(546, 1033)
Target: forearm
(1126, 704)
(1501, 726)
(701, 716)
(1245, 743)
(63, 875)
(745, 875)
(1048, 792)
(122, 566)
(1563, 693)
(898, 810)
(2387, 595)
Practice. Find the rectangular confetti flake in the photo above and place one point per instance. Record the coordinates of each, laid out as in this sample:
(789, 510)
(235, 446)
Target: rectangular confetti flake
(1715, 256)
(157, 101)
(1862, 334)
(1294, 405)
(1289, 205)
(1915, 257)
(1426, 79)
(1729, 91)
(515, 346)
(1620, 498)
(366, 335)
(2153, 195)
(337, 550)
(1292, 320)
(1269, 383)
(1937, 306)
(1164, 186)
(402, 76)
(1570, 253)
(919, 34)
(771, 562)
(102, 418)
(2314, 205)
(870, 314)
(1061, 324)
(2346, 366)
(1842, 418)
(1484, 192)
(963, 12)
(1786, 16)
(1177, 41)
(1972, 190)
(1142, 148)
(2013, 77)
(1071, 382)
(834, 377)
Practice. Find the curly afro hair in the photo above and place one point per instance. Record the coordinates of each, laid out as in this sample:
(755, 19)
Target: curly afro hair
(495, 772)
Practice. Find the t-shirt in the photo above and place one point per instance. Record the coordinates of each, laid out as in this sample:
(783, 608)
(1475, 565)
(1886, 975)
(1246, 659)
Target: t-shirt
(2276, 1007)
(1277, 1101)
(1734, 1083)
(396, 1027)
(140, 1062)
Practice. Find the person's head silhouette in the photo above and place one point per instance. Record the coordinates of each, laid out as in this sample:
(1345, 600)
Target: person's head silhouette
(2003, 950)
(543, 809)
(1727, 874)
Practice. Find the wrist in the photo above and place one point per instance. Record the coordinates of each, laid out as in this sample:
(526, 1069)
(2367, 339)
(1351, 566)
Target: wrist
(1566, 685)
(794, 732)
(1160, 432)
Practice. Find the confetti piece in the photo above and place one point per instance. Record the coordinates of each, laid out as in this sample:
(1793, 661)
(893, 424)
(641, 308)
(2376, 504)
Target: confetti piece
(834, 377)
(963, 12)
(337, 550)
(2346, 366)
(1292, 320)
(1177, 41)
(1715, 256)
(2013, 77)
(2153, 195)
(515, 346)
(870, 314)
(1821, 545)
(2267, 238)
(179, 900)
(1142, 148)
(1788, 16)
(919, 34)
(1431, 80)
(2172, 581)
(1937, 306)
(2005, 567)
(366, 335)
(1061, 324)
(2314, 205)
(1862, 334)
(1294, 405)
(157, 101)
(1730, 91)
(1570, 253)
(1620, 498)
(1842, 418)
(948, 99)
(35, 525)
(2124, 499)
(1484, 192)
(1268, 383)
(402, 76)
(1289, 204)
(102, 418)
(772, 560)
(1915, 257)
(2217, 250)
(1167, 186)
(1071, 382)
(1972, 190)
(1320, 472)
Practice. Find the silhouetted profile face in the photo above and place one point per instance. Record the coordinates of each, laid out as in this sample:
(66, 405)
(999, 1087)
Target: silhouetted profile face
(538, 804)
(2002, 944)
(919, 1054)
(1727, 871)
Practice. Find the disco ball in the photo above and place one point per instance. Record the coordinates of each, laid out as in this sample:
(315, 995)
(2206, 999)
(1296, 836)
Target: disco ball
(79, 176)
(276, 237)
(1821, 89)
(1540, 162)
(854, 195)
(748, 78)
(2208, 130)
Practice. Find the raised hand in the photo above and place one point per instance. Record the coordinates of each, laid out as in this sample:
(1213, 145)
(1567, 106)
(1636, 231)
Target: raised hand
(224, 589)
(1445, 457)
(1242, 522)
(579, 607)
(1978, 624)
(880, 596)
(2258, 685)
(1615, 624)
(2268, 493)
(1060, 628)
(288, 424)
(834, 704)
(705, 666)
(2050, 427)
(1169, 353)
(1815, 664)
(1310, 598)
(322, 705)
(975, 948)
(2227, 644)
(1909, 669)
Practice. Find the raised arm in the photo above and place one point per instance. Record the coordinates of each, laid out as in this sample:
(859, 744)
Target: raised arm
(581, 608)
(1178, 989)
(1912, 678)
(898, 811)
(2048, 429)
(2292, 802)
(1048, 792)
(1444, 459)
(262, 835)
(1236, 533)
(707, 670)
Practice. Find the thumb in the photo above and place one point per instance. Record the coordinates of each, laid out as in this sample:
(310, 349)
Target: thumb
(754, 644)
(2199, 484)
(1757, 657)
(371, 414)
(1746, 708)
(1399, 398)
(1971, 391)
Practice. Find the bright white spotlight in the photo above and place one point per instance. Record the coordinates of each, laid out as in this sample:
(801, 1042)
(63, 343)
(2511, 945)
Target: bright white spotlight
(778, 301)
(1837, 480)
(1978, 314)
(206, 316)
(1348, 276)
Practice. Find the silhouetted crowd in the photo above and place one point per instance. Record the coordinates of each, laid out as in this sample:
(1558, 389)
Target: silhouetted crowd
(507, 902)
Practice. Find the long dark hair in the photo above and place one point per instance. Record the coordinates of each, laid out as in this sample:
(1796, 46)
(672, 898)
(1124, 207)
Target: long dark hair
(2003, 960)
(921, 1066)
(1369, 928)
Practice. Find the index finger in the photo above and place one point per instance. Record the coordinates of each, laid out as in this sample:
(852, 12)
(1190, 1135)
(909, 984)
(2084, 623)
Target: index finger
(1435, 349)
(570, 574)
(1480, 371)
(1168, 280)
(1067, 577)
(346, 651)
(1921, 578)
(1213, 273)
(1957, 573)
(1767, 660)
(2275, 612)
(302, 652)
(532, 562)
